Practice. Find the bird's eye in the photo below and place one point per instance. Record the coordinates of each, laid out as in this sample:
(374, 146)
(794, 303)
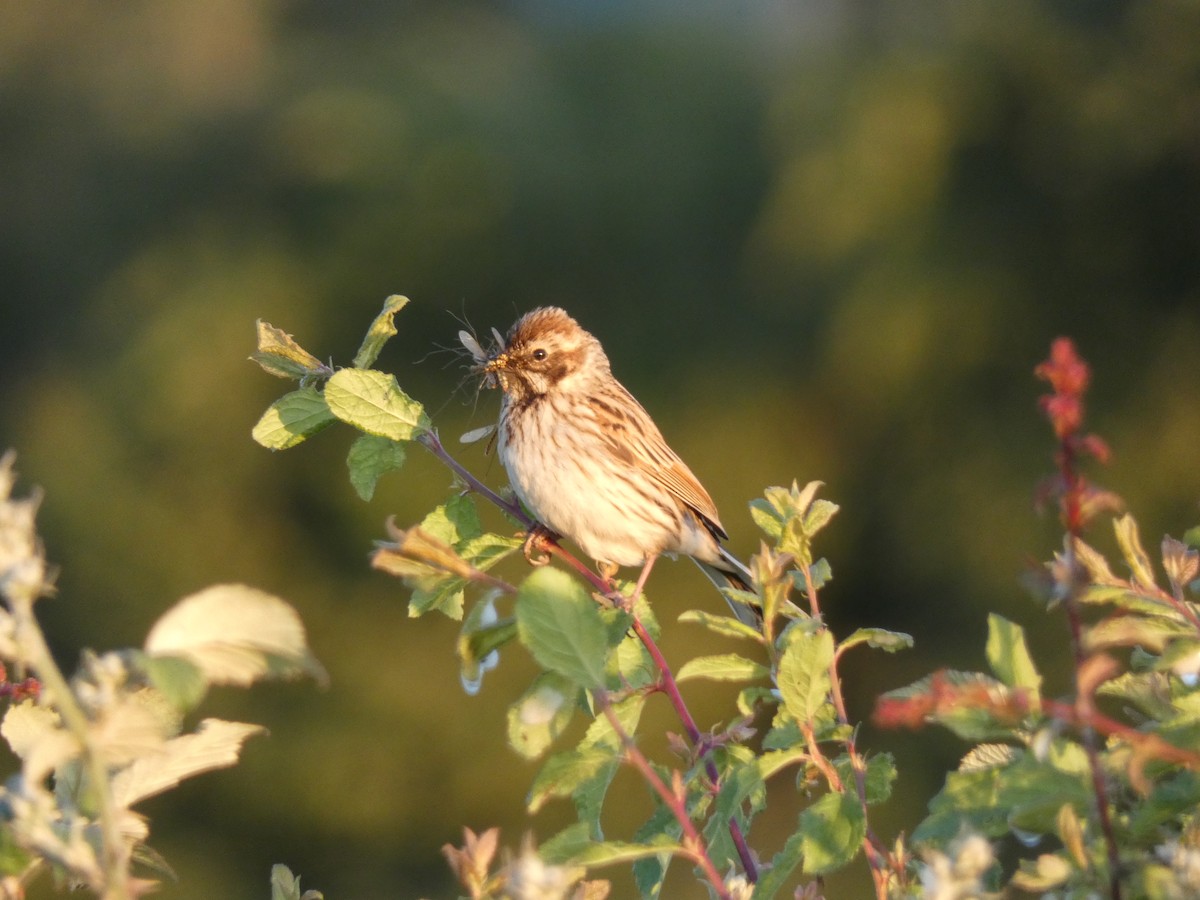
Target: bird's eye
(539, 354)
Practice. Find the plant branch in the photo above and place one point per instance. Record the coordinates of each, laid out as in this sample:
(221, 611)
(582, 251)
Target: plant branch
(431, 442)
(1068, 376)
(875, 853)
(693, 842)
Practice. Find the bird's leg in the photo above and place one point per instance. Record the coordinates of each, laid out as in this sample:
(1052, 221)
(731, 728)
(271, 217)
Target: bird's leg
(645, 573)
(536, 542)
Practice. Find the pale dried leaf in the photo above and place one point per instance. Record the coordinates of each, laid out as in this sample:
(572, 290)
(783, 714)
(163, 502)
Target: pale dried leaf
(216, 744)
(1094, 563)
(235, 635)
(132, 726)
(1180, 561)
(1126, 529)
(36, 736)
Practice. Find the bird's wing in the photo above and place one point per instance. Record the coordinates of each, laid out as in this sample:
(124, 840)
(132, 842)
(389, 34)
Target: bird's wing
(633, 437)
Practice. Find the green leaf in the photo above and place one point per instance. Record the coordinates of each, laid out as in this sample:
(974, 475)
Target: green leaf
(650, 873)
(479, 641)
(820, 572)
(236, 635)
(880, 638)
(485, 550)
(541, 714)
(371, 401)
(766, 518)
(628, 713)
(967, 800)
(727, 626)
(879, 776)
(723, 667)
(567, 844)
(1008, 656)
(833, 829)
(455, 521)
(369, 459)
(561, 626)
(563, 773)
(180, 681)
(286, 886)
(292, 418)
(280, 355)
(782, 865)
(379, 332)
(611, 853)
(804, 671)
(818, 515)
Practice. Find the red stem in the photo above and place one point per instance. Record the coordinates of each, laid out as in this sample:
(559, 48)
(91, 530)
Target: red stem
(693, 841)
(1072, 506)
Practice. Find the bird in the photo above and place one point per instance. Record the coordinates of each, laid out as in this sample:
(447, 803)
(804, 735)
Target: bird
(586, 459)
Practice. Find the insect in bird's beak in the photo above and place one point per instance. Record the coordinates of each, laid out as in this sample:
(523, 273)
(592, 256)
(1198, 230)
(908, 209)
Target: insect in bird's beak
(484, 364)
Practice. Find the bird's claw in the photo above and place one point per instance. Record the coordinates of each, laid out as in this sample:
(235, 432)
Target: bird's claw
(537, 544)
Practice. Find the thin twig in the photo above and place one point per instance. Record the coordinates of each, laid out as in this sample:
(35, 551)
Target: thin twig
(874, 850)
(693, 842)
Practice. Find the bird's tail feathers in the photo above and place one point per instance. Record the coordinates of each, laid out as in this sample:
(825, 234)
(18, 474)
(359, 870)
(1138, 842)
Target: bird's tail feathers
(736, 576)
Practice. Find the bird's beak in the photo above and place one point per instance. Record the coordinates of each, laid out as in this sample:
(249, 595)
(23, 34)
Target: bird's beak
(494, 370)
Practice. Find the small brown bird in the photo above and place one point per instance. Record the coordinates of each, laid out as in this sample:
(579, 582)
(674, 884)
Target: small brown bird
(588, 461)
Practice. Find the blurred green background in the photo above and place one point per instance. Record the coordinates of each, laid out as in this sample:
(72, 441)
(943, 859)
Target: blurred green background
(819, 240)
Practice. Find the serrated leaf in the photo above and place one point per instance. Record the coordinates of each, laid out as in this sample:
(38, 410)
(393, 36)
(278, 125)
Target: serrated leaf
(782, 865)
(722, 667)
(804, 671)
(381, 329)
(455, 521)
(216, 744)
(767, 518)
(235, 634)
(818, 515)
(280, 355)
(880, 638)
(563, 773)
(541, 714)
(292, 418)
(1009, 658)
(372, 401)
(833, 830)
(370, 458)
(560, 625)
